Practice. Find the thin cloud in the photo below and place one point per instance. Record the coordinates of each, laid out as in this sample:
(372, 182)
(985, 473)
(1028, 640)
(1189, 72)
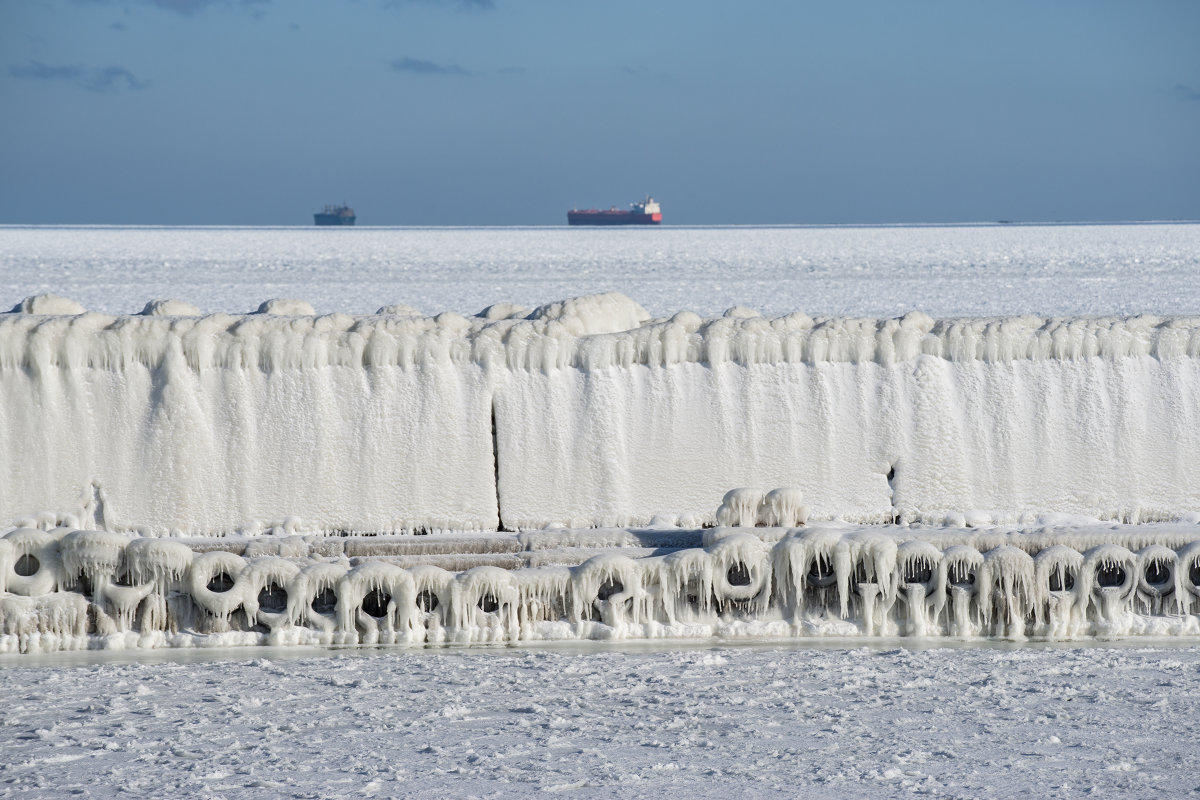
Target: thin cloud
(461, 5)
(93, 79)
(186, 8)
(119, 26)
(1187, 93)
(417, 66)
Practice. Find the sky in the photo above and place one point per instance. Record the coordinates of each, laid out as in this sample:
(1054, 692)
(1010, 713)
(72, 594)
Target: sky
(512, 112)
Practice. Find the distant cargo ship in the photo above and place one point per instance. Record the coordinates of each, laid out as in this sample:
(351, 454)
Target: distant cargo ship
(646, 212)
(335, 215)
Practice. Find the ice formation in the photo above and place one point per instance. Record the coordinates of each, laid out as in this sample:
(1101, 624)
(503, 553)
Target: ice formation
(586, 413)
(70, 589)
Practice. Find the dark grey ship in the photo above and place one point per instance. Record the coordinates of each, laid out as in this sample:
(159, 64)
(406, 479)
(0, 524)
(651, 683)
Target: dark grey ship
(335, 215)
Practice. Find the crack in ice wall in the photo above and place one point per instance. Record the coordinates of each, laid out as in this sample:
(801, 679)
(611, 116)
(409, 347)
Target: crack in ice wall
(601, 416)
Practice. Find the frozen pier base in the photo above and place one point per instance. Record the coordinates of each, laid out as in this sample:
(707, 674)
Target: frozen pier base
(73, 589)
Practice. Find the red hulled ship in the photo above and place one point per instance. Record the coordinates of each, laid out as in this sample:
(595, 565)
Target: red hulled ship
(646, 212)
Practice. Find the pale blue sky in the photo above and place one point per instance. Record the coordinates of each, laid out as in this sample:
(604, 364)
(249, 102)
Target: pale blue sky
(421, 112)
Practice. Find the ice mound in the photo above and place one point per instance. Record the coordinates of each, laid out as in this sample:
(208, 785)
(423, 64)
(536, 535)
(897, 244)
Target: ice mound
(48, 305)
(399, 310)
(598, 313)
(286, 308)
(170, 308)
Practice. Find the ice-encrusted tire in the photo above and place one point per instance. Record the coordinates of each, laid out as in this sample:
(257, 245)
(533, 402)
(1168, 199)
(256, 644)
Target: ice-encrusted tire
(376, 603)
(31, 563)
(268, 586)
(214, 582)
(1157, 571)
(313, 601)
(1112, 570)
(741, 572)
(98, 557)
(485, 603)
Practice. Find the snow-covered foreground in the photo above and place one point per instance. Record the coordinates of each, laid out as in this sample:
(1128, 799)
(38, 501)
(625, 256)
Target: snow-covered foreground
(722, 722)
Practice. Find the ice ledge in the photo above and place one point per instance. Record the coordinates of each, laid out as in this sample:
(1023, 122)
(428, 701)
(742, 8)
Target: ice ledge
(588, 333)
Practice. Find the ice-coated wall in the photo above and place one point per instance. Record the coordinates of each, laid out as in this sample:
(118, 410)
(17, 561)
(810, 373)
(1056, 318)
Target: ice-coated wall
(588, 412)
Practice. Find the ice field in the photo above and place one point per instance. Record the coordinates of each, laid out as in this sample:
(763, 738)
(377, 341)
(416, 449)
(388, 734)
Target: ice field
(766, 721)
(811, 449)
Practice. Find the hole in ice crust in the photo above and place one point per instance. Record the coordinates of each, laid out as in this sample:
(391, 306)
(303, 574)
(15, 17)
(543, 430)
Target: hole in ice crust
(820, 573)
(607, 589)
(83, 584)
(1109, 575)
(919, 572)
(488, 604)
(375, 604)
(324, 602)
(273, 599)
(1062, 581)
(1158, 574)
(27, 565)
(961, 576)
(221, 582)
(427, 601)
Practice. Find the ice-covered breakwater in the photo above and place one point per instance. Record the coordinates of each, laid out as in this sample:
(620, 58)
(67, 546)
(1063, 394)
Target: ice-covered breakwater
(67, 589)
(584, 413)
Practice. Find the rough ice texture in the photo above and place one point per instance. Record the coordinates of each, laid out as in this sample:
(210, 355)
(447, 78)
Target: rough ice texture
(590, 413)
(66, 589)
(762, 721)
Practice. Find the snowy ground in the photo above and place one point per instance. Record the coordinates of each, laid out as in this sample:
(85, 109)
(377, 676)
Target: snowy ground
(822, 721)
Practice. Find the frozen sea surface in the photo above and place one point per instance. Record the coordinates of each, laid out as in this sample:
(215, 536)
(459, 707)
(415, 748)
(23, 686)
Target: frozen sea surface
(884, 271)
(721, 722)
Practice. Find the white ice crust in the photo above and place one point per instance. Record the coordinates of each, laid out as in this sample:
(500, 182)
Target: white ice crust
(72, 589)
(587, 412)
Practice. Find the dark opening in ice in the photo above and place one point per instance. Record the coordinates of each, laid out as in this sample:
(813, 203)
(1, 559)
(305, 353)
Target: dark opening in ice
(27, 565)
(376, 602)
(221, 582)
(918, 572)
(1062, 580)
(325, 601)
(738, 574)
(820, 572)
(961, 575)
(273, 599)
(488, 604)
(1108, 575)
(427, 601)
(83, 584)
(609, 588)
(1158, 574)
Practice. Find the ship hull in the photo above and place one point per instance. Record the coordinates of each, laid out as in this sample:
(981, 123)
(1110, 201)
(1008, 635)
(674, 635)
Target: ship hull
(612, 218)
(332, 219)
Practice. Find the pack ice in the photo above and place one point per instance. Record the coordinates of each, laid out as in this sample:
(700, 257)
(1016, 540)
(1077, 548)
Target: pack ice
(141, 456)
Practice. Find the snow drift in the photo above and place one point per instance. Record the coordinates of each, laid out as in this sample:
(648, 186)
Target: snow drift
(584, 413)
